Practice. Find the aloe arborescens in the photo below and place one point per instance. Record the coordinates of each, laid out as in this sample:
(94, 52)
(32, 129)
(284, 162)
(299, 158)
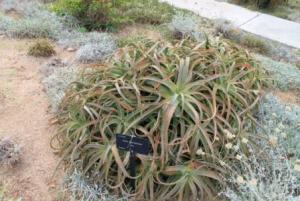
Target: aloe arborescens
(185, 98)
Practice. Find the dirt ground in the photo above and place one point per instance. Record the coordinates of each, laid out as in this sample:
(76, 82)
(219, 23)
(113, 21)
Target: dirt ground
(25, 118)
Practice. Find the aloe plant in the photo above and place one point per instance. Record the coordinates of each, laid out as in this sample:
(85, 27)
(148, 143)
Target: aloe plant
(186, 98)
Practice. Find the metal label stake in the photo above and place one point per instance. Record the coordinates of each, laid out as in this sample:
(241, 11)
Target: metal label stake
(135, 145)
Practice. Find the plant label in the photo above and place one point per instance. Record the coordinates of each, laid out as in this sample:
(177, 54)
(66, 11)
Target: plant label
(133, 144)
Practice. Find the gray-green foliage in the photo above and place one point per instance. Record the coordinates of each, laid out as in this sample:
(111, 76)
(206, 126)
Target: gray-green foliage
(92, 46)
(77, 39)
(286, 76)
(270, 179)
(94, 52)
(35, 23)
(57, 79)
(282, 122)
(270, 175)
(184, 24)
(82, 189)
(41, 26)
(5, 23)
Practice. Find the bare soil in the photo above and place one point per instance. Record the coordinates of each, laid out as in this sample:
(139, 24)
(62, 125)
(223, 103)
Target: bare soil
(25, 118)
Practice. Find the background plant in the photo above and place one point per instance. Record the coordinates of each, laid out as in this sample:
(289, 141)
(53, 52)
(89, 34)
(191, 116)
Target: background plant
(41, 48)
(192, 101)
(109, 15)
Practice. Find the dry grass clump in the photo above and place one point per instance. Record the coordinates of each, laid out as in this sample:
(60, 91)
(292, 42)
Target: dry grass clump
(9, 153)
(228, 30)
(256, 43)
(193, 102)
(41, 48)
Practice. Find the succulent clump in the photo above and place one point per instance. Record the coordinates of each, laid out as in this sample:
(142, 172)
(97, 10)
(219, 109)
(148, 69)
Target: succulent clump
(192, 101)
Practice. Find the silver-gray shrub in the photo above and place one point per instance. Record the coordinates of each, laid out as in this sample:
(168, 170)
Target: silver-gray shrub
(97, 50)
(43, 26)
(228, 30)
(270, 175)
(36, 21)
(56, 82)
(82, 189)
(286, 76)
(20, 6)
(186, 25)
(6, 23)
(75, 39)
(269, 179)
(282, 121)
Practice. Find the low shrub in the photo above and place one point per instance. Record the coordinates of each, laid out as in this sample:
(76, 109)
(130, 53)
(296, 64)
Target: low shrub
(274, 173)
(10, 153)
(5, 23)
(41, 48)
(75, 39)
(151, 11)
(56, 82)
(95, 52)
(81, 188)
(227, 30)
(185, 25)
(41, 26)
(281, 121)
(192, 101)
(270, 179)
(112, 14)
(93, 46)
(36, 22)
(286, 76)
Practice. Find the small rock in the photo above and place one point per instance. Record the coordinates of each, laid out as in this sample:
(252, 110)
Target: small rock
(71, 49)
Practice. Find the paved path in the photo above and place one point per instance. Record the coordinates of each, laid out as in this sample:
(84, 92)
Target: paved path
(274, 28)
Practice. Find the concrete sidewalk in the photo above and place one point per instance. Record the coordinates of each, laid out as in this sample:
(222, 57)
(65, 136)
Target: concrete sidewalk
(271, 27)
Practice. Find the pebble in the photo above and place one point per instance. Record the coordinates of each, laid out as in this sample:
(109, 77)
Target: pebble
(71, 49)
